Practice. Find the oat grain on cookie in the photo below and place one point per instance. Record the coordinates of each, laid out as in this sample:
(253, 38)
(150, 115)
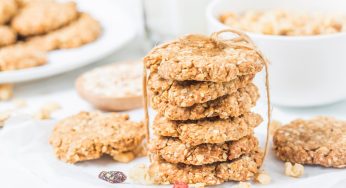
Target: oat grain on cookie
(319, 141)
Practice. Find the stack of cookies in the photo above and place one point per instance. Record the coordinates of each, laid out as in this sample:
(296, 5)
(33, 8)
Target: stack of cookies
(203, 92)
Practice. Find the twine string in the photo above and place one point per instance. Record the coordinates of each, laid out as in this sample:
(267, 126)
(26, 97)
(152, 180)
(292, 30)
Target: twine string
(238, 42)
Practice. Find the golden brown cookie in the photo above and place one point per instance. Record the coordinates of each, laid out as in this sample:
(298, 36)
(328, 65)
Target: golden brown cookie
(82, 31)
(210, 130)
(224, 107)
(198, 57)
(319, 141)
(115, 87)
(188, 93)
(20, 57)
(8, 8)
(241, 169)
(23, 3)
(173, 150)
(41, 18)
(8, 36)
(89, 135)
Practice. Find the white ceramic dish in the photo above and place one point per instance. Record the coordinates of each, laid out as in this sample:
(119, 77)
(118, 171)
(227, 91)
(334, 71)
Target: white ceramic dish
(117, 30)
(304, 70)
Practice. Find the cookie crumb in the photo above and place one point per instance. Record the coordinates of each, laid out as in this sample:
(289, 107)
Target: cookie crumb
(197, 185)
(6, 91)
(46, 111)
(263, 178)
(242, 185)
(4, 116)
(140, 174)
(274, 125)
(20, 103)
(296, 170)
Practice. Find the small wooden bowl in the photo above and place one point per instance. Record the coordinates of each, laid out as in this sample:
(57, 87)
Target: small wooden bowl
(105, 102)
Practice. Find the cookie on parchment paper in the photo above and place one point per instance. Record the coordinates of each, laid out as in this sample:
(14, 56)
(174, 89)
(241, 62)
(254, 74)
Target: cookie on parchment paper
(319, 141)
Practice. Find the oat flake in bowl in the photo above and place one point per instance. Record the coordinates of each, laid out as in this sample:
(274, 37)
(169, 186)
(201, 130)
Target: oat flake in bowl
(114, 87)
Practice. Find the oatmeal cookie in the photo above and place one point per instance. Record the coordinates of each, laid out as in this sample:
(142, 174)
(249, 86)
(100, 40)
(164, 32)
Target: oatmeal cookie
(41, 18)
(8, 8)
(8, 36)
(197, 57)
(20, 57)
(188, 93)
(82, 31)
(319, 141)
(173, 150)
(210, 130)
(23, 3)
(241, 169)
(89, 135)
(224, 107)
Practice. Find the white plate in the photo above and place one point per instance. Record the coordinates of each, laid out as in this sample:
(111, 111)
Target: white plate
(117, 30)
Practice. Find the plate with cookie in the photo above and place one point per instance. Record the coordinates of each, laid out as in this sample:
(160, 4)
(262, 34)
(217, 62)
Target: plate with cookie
(43, 38)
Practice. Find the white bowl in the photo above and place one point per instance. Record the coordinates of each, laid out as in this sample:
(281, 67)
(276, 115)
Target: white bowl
(304, 70)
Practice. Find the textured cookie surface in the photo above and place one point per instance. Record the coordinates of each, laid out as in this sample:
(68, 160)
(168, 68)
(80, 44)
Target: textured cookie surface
(207, 130)
(241, 169)
(81, 31)
(40, 18)
(197, 57)
(20, 57)
(188, 93)
(8, 8)
(8, 36)
(319, 141)
(174, 151)
(89, 135)
(224, 107)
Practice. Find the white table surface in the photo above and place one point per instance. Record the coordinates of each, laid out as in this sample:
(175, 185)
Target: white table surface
(61, 89)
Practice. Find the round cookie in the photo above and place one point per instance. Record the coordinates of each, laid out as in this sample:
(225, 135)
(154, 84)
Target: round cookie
(8, 8)
(8, 36)
(115, 87)
(20, 56)
(41, 18)
(198, 57)
(89, 135)
(212, 130)
(319, 141)
(80, 32)
(175, 151)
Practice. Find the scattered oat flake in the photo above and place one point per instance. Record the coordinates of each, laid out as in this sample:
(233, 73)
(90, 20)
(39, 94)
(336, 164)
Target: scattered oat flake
(263, 178)
(51, 107)
(4, 117)
(296, 170)
(6, 91)
(19, 103)
(113, 176)
(180, 185)
(242, 185)
(140, 174)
